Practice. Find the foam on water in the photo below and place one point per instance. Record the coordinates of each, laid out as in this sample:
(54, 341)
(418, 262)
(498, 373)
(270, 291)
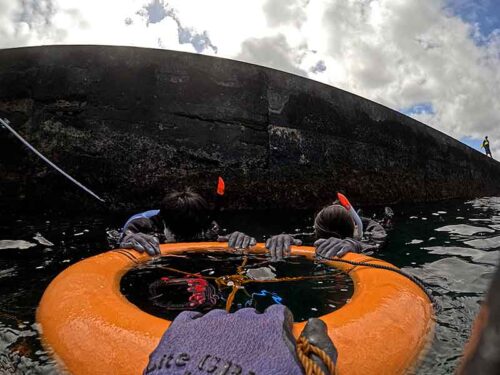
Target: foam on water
(414, 242)
(15, 244)
(484, 243)
(42, 240)
(464, 229)
(474, 255)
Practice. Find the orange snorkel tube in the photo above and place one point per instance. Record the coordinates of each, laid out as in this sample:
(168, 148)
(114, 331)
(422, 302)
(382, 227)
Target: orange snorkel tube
(221, 186)
(358, 224)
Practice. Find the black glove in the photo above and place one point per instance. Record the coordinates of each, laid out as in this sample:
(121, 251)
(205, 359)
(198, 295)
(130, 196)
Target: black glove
(316, 332)
(141, 242)
(238, 240)
(331, 247)
(279, 246)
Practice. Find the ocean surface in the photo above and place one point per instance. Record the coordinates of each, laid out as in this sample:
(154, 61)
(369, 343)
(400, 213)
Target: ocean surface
(452, 246)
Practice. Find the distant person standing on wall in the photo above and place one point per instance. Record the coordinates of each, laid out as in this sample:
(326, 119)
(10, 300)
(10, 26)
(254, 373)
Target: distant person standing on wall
(486, 146)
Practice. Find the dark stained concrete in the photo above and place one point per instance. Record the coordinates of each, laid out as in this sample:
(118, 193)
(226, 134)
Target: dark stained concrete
(131, 123)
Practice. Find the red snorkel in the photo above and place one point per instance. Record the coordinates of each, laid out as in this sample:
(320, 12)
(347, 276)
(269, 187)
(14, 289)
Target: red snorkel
(358, 225)
(221, 186)
(219, 194)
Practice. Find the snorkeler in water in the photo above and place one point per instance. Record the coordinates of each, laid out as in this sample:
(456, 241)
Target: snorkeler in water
(183, 216)
(338, 230)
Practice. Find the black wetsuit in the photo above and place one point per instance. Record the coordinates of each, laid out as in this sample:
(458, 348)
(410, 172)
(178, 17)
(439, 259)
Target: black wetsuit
(373, 231)
(374, 236)
(154, 225)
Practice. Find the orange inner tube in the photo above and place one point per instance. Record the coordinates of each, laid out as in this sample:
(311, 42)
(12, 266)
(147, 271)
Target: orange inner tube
(91, 328)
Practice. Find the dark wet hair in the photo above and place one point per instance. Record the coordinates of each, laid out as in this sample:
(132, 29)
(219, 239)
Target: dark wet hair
(333, 221)
(185, 212)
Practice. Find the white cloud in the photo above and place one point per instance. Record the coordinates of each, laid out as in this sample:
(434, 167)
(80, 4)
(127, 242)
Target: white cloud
(401, 53)
(278, 12)
(274, 52)
(28, 22)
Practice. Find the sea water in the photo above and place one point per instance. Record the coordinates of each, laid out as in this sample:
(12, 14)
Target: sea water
(309, 289)
(453, 246)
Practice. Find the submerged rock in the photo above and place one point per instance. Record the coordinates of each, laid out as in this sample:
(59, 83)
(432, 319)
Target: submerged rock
(261, 273)
(42, 240)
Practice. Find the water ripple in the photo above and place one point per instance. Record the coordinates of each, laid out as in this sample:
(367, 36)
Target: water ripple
(431, 241)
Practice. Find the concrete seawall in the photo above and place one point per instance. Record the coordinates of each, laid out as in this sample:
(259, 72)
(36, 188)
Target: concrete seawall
(131, 123)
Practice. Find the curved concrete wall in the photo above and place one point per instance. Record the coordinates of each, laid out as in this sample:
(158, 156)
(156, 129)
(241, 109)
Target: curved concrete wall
(131, 123)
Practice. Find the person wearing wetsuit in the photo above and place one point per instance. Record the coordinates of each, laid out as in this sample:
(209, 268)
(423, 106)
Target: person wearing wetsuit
(486, 146)
(245, 342)
(183, 216)
(334, 235)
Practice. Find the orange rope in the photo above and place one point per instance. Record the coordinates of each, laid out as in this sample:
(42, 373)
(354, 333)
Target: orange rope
(237, 280)
(305, 350)
(230, 298)
(283, 279)
(188, 273)
(240, 269)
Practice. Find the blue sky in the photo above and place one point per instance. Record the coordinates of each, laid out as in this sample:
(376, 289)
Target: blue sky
(418, 109)
(484, 13)
(472, 142)
(485, 16)
(426, 108)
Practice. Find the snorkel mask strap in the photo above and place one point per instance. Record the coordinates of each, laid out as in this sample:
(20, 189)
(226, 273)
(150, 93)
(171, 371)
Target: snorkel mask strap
(358, 225)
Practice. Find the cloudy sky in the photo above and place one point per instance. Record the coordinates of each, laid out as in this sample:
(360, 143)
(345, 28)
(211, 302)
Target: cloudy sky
(435, 60)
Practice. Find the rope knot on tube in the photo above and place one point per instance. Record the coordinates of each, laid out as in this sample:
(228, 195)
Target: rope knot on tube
(304, 352)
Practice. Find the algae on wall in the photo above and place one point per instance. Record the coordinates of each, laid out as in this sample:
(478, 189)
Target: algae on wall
(133, 122)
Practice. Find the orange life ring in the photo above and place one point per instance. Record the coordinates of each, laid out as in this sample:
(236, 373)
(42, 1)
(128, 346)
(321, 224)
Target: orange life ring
(91, 328)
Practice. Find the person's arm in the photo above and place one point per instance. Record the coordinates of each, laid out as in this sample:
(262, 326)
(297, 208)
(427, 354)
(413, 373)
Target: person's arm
(279, 246)
(374, 235)
(238, 240)
(212, 233)
(374, 231)
(327, 248)
(138, 234)
(139, 225)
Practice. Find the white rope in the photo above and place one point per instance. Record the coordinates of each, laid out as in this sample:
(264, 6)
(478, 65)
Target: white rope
(5, 123)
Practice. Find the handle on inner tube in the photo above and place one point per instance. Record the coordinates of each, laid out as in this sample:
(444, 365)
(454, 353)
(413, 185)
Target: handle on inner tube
(358, 229)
